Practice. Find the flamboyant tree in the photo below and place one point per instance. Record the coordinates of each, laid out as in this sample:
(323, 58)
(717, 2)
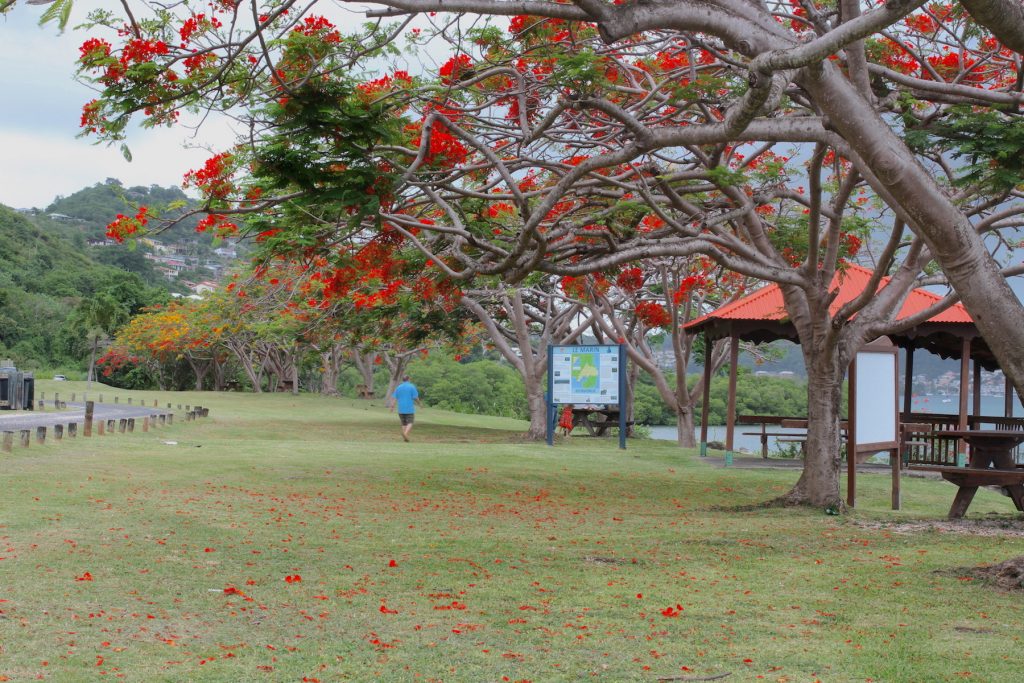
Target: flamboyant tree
(646, 303)
(771, 137)
(523, 322)
(188, 330)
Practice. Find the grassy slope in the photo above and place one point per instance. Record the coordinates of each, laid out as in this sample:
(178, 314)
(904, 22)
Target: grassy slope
(509, 560)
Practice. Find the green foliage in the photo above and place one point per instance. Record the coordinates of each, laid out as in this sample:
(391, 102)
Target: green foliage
(723, 176)
(755, 395)
(43, 277)
(92, 208)
(483, 387)
(991, 142)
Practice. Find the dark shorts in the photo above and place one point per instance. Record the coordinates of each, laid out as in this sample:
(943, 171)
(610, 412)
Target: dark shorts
(406, 418)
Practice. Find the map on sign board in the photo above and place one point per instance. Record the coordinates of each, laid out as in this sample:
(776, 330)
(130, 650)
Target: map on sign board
(584, 375)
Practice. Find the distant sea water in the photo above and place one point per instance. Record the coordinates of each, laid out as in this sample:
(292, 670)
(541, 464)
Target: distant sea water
(990, 405)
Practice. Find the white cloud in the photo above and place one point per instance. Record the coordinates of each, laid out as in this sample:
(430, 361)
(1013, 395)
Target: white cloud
(38, 166)
(39, 119)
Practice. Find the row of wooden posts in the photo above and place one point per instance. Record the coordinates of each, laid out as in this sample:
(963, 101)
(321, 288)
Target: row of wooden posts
(120, 425)
(59, 404)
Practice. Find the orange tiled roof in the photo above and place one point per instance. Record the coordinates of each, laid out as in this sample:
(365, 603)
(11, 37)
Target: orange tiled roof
(767, 303)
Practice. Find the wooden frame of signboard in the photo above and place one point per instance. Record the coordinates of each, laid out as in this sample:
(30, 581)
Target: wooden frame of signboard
(874, 417)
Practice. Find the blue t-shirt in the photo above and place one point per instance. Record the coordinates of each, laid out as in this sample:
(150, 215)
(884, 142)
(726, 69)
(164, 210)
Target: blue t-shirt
(406, 394)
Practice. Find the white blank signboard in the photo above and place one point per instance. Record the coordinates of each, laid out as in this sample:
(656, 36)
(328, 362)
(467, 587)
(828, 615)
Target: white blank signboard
(876, 398)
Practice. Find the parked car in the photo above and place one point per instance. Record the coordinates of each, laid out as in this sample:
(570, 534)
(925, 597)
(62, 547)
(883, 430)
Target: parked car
(60, 378)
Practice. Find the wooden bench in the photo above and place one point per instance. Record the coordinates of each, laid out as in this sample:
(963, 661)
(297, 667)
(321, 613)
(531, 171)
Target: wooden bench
(968, 479)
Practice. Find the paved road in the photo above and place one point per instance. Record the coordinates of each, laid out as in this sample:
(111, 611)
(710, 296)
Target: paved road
(75, 412)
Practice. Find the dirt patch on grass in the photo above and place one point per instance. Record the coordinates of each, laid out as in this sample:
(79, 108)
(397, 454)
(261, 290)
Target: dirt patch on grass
(1007, 576)
(976, 527)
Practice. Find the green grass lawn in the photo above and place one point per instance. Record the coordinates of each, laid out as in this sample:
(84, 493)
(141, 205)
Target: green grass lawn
(299, 539)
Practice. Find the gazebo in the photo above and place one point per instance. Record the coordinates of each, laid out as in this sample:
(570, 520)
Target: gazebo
(761, 317)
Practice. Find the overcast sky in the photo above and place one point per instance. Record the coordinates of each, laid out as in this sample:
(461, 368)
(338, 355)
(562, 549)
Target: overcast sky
(39, 114)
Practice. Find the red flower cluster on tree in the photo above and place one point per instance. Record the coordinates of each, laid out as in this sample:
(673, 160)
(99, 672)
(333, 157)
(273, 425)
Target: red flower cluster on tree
(319, 27)
(455, 68)
(652, 314)
(123, 226)
(197, 24)
(218, 224)
(386, 83)
(630, 279)
(214, 178)
(444, 150)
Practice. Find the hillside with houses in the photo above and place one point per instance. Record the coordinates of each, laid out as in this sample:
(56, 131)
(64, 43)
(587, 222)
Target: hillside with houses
(177, 259)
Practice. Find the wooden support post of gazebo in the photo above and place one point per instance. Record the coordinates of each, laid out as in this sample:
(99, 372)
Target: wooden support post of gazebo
(965, 361)
(730, 423)
(1007, 397)
(976, 389)
(908, 381)
(708, 346)
(851, 434)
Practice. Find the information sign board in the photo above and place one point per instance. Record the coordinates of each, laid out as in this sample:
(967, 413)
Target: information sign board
(585, 375)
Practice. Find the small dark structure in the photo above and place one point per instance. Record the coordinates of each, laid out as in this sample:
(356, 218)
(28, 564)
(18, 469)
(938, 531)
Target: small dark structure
(17, 389)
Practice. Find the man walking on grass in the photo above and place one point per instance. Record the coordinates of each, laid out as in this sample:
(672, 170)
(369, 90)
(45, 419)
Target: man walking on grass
(406, 397)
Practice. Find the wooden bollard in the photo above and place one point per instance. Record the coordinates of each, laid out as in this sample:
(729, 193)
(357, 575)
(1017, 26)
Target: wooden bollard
(63, 405)
(58, 432)
(101, 398)
(99, 427)
(8, 442)
(188, 407)
(117, 399)
(145, 424)
(206, 412)
(56, 397)
(110, 426)
(42, 404)
(122, 425)
(72, 397)
(163, 419)
(87, 429)
(155, 404)
(40, 435)
(131, 425)
(189, 416)
(26, 437)
(72, 430)
(129, 400)
(179, 406)
(199, 411)
(168, 406)
(170, 418)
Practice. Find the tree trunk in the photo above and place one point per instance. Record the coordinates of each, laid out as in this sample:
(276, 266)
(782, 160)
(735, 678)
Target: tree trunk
(538, 409)
(91, 375)
(818, 486)
(241, 351)
(199, 369)
(684, 427)
(329, 373)
(218, 374)
(364, 363)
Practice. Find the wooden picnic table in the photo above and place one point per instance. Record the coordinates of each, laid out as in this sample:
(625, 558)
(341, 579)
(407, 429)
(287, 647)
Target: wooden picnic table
(597, 421)
(991, 464)
(791, 423)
